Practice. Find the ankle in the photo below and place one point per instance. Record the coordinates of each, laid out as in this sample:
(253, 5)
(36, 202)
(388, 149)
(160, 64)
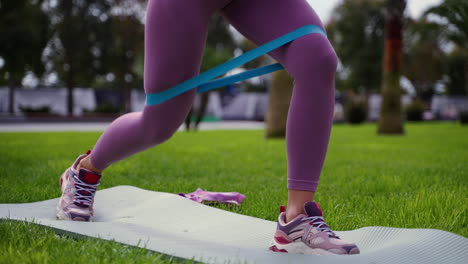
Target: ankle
(296, 201)
(86, 164)
(292, 213)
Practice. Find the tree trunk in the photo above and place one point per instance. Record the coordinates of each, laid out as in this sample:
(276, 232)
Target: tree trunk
(278, 106)
(201, 112)
(390, 121)
(70, 100)
(127, 97)
(11, 98)
(466, 73)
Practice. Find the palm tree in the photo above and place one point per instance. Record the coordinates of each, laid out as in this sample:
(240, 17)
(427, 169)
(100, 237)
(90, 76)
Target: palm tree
(390, 121)
(456, 29)
(423, 46)
(280, 97)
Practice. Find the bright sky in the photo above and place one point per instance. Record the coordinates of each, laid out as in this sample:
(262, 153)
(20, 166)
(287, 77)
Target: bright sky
(414, 7)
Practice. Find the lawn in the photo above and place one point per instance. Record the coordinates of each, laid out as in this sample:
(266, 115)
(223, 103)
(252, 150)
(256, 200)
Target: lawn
(419, 180)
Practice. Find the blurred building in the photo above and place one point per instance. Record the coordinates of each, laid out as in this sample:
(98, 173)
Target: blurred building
(54, 98)
(221, 105)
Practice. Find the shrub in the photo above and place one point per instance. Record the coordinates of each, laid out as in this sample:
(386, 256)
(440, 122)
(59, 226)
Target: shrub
(414, 111)
(40, 109)
(356, 111)
(107, 108)
(464, 117)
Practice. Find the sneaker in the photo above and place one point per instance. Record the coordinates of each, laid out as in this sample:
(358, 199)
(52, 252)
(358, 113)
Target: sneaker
(78, 189)
(309, 234)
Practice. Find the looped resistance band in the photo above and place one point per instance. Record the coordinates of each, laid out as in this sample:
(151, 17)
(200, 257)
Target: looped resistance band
(203, 82)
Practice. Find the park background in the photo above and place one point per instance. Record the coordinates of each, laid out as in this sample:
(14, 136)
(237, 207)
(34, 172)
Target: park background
(398, 150)
(47, 73)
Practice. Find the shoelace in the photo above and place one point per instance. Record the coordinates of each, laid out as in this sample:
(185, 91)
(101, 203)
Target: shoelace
(87, 191)
(320, 224)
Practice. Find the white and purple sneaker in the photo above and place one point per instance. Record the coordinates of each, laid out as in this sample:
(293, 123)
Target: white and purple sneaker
(309, 235)
(78, 189)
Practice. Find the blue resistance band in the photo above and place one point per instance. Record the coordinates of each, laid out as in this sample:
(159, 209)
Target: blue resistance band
(203, 82)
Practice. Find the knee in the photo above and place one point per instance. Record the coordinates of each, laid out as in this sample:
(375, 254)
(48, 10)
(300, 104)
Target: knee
(310, 56)
(163, 120)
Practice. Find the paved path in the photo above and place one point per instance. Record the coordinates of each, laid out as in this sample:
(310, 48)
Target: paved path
(83, 127)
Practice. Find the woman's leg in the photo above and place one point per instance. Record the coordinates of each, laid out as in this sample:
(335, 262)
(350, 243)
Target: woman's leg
(175, 36)
(174, 42)
(311, 61)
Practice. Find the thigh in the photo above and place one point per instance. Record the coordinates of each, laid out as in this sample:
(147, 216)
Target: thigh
(175, 35)
(264, 20)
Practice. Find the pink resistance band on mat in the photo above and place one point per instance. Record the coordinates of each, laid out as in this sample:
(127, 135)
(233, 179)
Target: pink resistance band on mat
(201, 196)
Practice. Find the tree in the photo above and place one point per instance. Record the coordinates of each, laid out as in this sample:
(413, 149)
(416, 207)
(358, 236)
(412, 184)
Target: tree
(455, 66)
(455, 13)
(247, 45)
(390, 121)
(356, 33)
(423, 56)
(219, 48)
(219, 36)
(24, 31)
(127, 44)
(82, 32)
(279, 100)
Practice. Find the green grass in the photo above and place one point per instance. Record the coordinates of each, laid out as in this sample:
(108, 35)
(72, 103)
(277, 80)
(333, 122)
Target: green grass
(419, 180)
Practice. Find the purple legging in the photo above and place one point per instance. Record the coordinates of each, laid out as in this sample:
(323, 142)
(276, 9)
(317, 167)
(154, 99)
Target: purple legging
(174, 42)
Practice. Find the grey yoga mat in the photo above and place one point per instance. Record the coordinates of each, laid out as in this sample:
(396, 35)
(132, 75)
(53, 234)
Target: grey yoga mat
(171, 224)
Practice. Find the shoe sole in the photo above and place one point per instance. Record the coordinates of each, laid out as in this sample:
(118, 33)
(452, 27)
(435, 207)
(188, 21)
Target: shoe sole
(298, 248)
(61, 215)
